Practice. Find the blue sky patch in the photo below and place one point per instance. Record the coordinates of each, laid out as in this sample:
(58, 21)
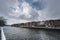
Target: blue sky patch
(38, 5)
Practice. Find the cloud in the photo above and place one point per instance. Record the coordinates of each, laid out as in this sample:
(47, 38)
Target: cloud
(30, 10)
(5, 6)
(14, 21)
(53, 9)
(24, 11)
(17, 10)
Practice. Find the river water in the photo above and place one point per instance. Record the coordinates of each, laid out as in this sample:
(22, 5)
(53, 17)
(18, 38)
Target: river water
(16, 33)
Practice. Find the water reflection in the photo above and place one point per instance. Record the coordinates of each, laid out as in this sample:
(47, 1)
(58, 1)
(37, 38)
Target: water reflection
(14, 33)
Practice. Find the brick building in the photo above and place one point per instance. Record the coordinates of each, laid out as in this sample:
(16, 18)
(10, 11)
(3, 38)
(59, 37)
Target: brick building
(29, 24)
(53, 23)
(47, 23)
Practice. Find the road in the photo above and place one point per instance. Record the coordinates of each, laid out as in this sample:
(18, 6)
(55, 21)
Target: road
(14, 33)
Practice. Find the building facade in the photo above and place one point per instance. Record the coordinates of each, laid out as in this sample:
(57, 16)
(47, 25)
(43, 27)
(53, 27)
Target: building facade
(47, 23)
(52, 23)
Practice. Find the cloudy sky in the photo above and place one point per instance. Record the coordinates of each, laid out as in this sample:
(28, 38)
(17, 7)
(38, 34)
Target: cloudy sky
(18, 11)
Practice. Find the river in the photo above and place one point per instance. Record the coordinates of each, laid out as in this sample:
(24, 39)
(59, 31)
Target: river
(17, 33)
